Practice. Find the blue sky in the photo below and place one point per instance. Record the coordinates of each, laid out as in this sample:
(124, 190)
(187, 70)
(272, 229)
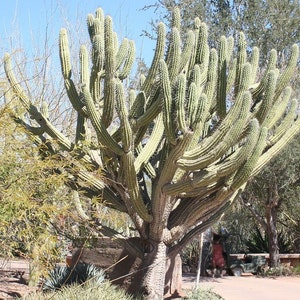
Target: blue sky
(24, 24)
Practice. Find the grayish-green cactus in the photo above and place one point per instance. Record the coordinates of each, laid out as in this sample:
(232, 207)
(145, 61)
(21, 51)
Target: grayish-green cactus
(175, 153)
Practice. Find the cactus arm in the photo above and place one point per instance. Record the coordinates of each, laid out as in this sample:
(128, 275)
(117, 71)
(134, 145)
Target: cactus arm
(241, 60)
(245, 171)
(103, 136)
(231, 76)
(212, 76)
(158, 55)
(187, 50)
(254, 64)
(16, 87)
(129, 61)
(256, 93)
(133, 188)
(168, 170)
(286, 123)
(167, 101)
(84, 66)
(285, 77)
(222, 78)
(192, 104)
(173, 54)
(66, 69)
(122, 53)
(275, 149)
(278, 109)
(64, 54)
(215, 172)
(127, 138)
(32, 110)
(109, 88)
(180, 102)
(151, 146)
(205, 158)
(224, 126)
(268, 97)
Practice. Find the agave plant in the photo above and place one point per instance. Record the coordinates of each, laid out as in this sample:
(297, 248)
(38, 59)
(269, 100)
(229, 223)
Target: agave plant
(62, 275)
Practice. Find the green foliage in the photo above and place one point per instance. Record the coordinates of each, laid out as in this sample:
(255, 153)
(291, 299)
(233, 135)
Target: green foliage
(261, 21)
(259, 243)
(81, 273)
(281, 270)
(203, 294)
(88, 291)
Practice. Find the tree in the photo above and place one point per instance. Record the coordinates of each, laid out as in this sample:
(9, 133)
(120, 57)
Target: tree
(171, 154)
(273, 191)
(266, 24)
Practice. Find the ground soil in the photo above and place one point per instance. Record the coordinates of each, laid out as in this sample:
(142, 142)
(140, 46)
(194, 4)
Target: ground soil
(229, 287)
(248, 287)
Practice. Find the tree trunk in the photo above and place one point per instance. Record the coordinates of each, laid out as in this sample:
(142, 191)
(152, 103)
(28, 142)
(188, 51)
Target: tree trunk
(272, 237)
(154, 264)
(173, 279)
(162, 275)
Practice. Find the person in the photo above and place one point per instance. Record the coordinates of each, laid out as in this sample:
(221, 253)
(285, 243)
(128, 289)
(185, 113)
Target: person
(218, 261)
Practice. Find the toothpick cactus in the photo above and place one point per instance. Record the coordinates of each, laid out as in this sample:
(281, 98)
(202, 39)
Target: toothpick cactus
(176, 152)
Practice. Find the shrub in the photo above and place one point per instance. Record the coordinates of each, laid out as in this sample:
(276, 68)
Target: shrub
(203, 294)
(81, 273)
(88, 291)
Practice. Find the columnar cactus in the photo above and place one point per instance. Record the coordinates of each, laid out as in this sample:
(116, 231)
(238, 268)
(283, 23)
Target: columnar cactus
(176, 152)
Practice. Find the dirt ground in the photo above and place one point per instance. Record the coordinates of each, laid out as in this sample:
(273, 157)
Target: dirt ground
(229, 287)
(248, 287)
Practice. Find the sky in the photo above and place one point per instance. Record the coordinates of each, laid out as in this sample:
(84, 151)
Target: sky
(26, 24)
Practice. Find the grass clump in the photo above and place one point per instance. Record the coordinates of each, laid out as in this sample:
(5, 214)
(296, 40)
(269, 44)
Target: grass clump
(203, 294)
(90, 290)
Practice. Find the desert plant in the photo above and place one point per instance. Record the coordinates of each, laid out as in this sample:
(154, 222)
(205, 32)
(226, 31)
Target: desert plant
(259, 243)
(88, 291)
(175, 153)
(203, 294)
(81, 273)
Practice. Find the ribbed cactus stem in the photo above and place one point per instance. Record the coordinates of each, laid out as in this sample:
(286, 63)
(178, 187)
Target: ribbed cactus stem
(176, 18)
(245, 171)
(148, 150)
(84, 66)
(129, 61)
(212, 141)
(167, 102)
(180, 102)
(158, 55)
(275, 149)
(104, 137)
(109, 88)
(222, 78)
(64, 54)
(17, 89)
(241, 60)
(268, 96)
(136, 199)
(212, 76)
(127, 138)
(202, 158)
(285, 77)
(279, 108)
(174, 54)
(187, 50)
(286, 123)
(254, 64)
